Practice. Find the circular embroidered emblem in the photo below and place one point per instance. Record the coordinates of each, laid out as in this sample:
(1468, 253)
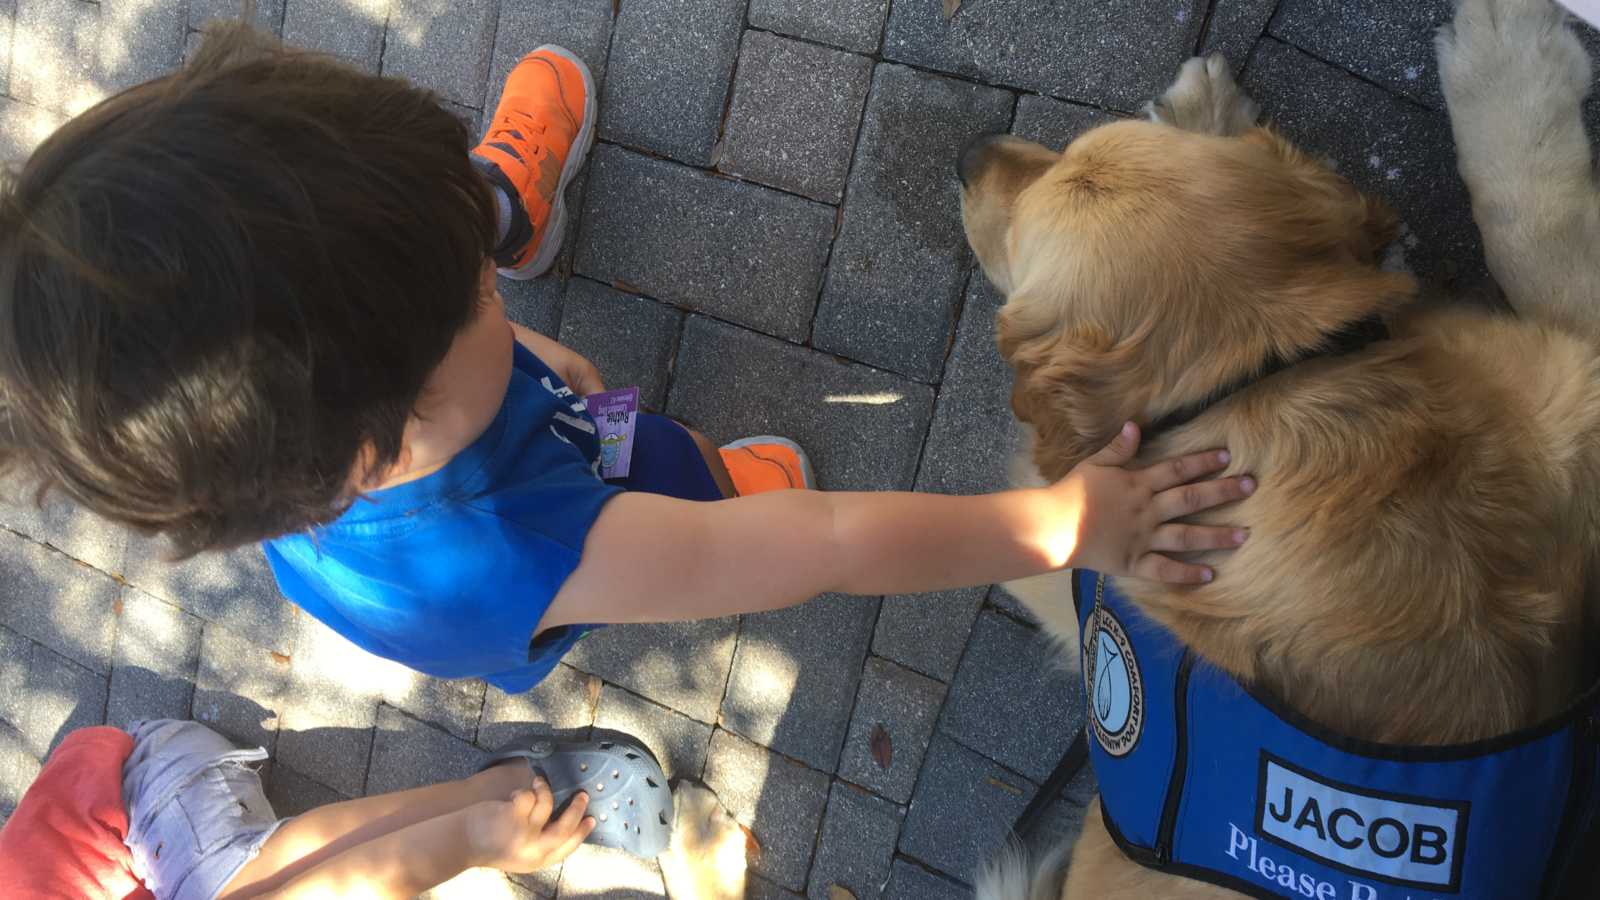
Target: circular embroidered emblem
(1111, 678)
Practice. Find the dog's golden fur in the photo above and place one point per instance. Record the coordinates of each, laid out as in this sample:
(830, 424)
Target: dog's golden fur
(1429, 507)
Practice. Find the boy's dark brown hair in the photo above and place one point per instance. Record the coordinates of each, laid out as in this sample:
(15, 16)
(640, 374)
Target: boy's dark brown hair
(222, 292)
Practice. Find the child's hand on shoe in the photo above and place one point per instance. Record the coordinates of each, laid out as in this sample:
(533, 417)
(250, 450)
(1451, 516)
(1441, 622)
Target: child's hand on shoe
(518, 835)
(1124, 516)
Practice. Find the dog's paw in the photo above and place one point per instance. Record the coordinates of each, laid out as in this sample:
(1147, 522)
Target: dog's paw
(706, 860)
(1511, 52)
(1205, 98)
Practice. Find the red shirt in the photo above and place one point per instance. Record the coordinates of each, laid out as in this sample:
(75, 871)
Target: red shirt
(66, 838)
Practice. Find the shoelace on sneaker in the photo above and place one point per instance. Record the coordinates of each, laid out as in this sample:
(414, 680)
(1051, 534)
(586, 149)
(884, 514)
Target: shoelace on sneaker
(513, 125)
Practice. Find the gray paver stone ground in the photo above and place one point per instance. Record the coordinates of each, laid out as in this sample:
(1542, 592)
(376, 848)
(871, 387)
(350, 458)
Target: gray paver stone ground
(466, 115)
(407, 753)
(562, 704)
(325, 658)
(1053, 123)
(1012, 701)
(139, 40)
(903, 706)
(630, 339)
(332, 705)
(910, 881)
(859, 833)
(852, 24)
(790, 691)
(1001, 599)
(668, 75)
(352, 29)
(970, 443)
(63, 525)
(444, 47)
(58, 602)
(53, 55)
(268, 17)
(861, 427)
(681, 665)
(240, 688)
(15, 651)
(18, 768)
(1388, 43)
(779, 800)
(581, 26)
(535, 303)
(543, 883)
(327, 734)
(1383, 144)
(1061, 821)
(23, 127)
(1114, 54)
(605, 874)
(732, 249)
(60, 697)
(452, 704)
(792, 121)
(157, 652)
(963, 809)
(291, 793)
(927, 632)
(901, 257)
(235, 589)
(758, 888)
(1234, 28)
(678, 742)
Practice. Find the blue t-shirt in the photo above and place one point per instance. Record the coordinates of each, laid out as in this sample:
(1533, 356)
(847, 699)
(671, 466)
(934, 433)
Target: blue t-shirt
(451, 573)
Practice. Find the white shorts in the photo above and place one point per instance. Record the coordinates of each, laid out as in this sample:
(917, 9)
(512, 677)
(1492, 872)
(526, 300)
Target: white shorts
(196, 810)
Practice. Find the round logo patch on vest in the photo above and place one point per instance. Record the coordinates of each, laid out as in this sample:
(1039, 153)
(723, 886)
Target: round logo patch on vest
(1111, 677)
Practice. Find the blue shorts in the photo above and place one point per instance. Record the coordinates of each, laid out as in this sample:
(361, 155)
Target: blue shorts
(667, 461)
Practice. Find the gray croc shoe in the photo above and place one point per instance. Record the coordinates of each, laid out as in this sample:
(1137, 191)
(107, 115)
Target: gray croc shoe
(628, 794)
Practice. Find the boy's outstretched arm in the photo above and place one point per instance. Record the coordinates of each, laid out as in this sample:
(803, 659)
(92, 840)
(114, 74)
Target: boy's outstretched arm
(520, 833)
(651, 558)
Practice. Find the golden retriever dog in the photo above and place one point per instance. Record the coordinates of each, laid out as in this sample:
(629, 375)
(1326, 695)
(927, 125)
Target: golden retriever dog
(1428, 513)
(706, 860)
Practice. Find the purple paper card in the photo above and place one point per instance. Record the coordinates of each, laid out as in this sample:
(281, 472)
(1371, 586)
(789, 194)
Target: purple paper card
(615, 413)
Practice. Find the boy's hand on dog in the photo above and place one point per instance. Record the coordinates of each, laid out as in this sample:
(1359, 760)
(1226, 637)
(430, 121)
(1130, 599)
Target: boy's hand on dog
(518, 835)
(1126, 515)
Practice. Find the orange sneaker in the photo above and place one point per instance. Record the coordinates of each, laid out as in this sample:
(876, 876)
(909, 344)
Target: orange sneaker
(767, 463)
(537, 141)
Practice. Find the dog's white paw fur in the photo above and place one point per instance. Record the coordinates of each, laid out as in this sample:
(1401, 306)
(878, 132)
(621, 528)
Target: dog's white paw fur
(1205, 98)
(1514, 77)
(1011, 875)
(706, 860)
(1517, 53)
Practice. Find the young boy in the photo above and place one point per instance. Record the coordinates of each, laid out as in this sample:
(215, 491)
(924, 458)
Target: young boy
(254, 301)
(170, 809)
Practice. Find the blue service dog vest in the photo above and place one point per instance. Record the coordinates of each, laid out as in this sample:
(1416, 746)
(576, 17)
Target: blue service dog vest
(1203, 777)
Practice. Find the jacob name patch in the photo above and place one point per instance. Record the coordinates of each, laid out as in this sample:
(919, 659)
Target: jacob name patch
(1404, 840)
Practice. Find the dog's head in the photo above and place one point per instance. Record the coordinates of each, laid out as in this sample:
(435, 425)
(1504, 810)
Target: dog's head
(1145, 266)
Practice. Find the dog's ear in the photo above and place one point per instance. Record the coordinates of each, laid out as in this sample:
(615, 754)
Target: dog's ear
(1076, 385)
(1327, 208)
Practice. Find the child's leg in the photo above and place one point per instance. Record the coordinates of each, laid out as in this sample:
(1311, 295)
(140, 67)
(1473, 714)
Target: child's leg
(671, 459)
(312, 837)
(713, 458)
